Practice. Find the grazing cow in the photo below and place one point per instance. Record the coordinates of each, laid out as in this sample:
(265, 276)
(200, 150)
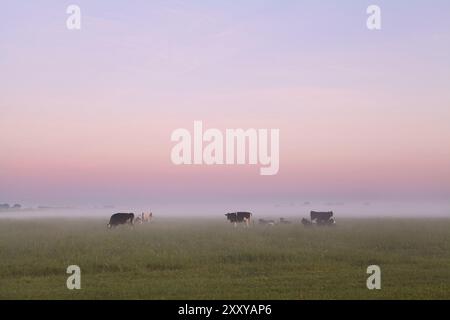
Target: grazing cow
(146, 217)
(120, 218)
(321, 217)
(236, 217)
(306, 222)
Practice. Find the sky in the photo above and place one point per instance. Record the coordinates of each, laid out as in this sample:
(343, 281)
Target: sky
(86, 115)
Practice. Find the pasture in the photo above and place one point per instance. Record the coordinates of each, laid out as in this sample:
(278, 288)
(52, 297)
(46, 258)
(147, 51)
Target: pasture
(209, 259)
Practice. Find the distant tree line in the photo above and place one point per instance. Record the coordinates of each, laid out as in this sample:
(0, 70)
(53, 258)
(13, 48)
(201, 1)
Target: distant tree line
(7, 206)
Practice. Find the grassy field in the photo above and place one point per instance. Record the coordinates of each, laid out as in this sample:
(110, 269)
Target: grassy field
(176, 259)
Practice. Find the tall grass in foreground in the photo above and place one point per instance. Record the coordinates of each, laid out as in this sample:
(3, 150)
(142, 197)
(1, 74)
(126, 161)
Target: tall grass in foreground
(209, 259)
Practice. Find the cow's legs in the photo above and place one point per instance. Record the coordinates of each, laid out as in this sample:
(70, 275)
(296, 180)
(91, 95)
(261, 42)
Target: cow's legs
(235, 224)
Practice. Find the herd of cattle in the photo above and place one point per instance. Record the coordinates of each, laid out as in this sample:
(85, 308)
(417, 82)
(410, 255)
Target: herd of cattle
(319, 218)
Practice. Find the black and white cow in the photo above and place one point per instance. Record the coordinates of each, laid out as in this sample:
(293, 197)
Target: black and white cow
(236, 217)
(120, 218)
(322, 217)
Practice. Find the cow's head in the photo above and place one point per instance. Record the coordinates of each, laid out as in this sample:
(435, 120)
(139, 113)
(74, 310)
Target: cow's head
(231, 216)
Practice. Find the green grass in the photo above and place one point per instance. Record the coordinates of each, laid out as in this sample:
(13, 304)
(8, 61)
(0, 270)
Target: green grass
(173, 259)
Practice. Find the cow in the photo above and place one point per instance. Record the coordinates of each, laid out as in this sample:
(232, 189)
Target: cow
(121, 218)
(146, 217)
(324, 218)
(321, 217)
(306, 222)
(236, 217)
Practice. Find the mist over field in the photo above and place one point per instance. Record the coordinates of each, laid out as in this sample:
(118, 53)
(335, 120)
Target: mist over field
(292, 210)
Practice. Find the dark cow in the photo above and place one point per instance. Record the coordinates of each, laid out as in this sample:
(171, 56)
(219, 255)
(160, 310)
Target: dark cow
(236, 217)
(322, 218)
(121, 218)
(306, 222)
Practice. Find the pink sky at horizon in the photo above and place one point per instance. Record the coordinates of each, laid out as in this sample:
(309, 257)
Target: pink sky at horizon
(317, 156)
